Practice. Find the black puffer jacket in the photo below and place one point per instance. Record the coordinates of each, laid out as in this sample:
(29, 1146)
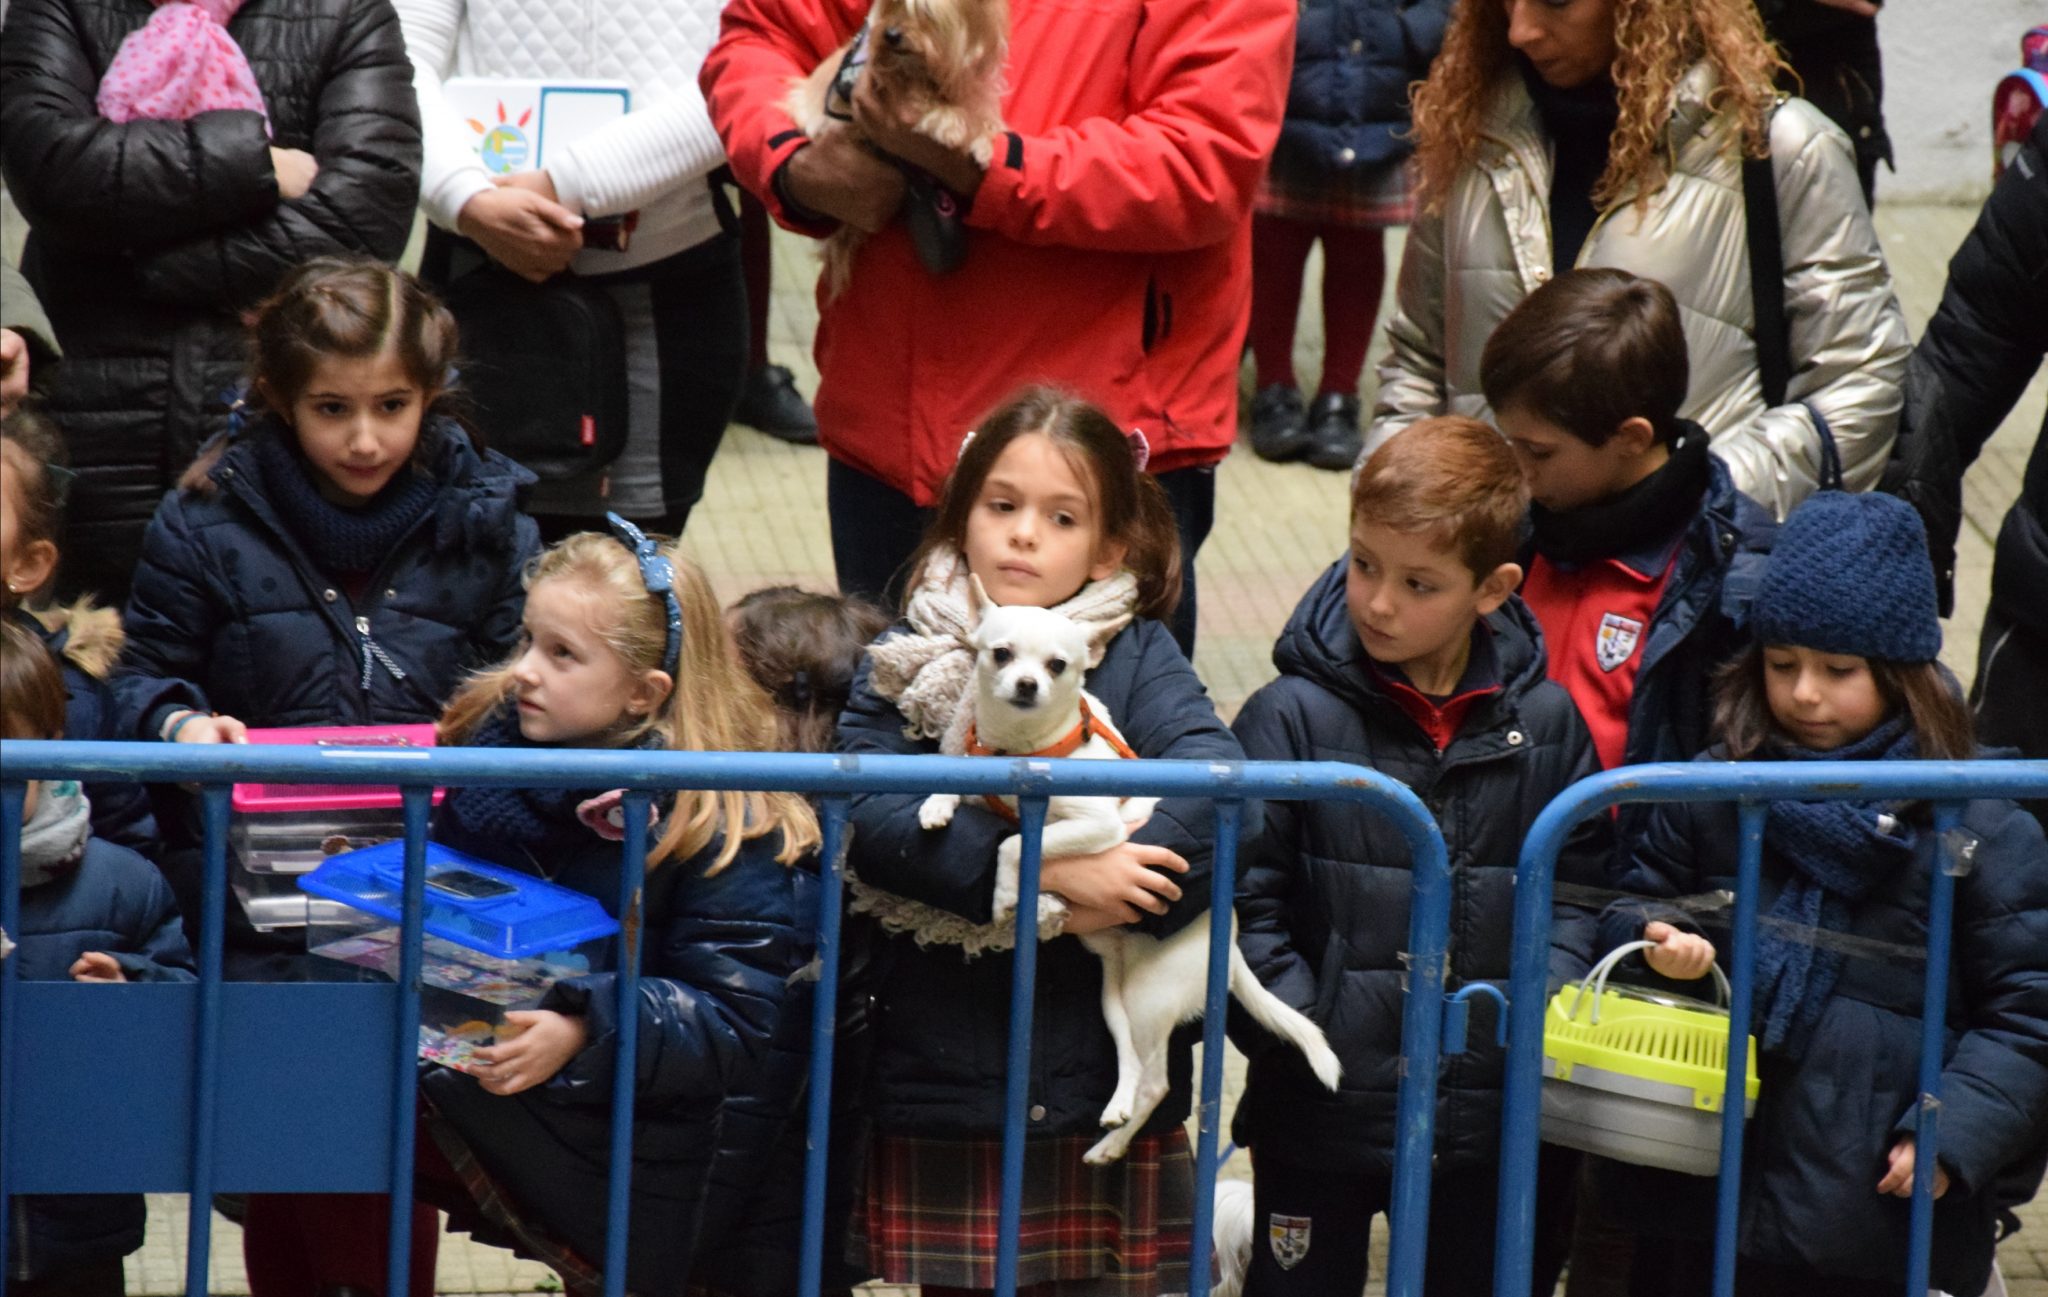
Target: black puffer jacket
(723, 1038)
(149, 237)
(1323, 907)
(1979, 353)
(1825, 1121)
(943, 1023)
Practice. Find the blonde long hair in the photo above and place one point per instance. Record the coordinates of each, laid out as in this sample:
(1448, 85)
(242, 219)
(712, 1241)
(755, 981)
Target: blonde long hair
(1655, 42)
(715, 705)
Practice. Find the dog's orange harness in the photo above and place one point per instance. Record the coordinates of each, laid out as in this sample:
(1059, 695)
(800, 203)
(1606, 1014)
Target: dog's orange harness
(1065, 747)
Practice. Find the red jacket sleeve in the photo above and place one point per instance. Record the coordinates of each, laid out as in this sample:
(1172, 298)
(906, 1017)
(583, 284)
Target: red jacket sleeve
(764, 45)
(1180, 172)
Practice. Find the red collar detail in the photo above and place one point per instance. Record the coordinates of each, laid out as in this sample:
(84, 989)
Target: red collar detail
(1066, 746)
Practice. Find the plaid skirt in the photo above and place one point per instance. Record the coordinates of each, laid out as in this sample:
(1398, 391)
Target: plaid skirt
(450, 1177)
(931, 1209)
(1372, 199)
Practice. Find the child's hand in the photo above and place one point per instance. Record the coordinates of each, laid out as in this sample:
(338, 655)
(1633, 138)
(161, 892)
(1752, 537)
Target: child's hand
(544, 1044)
(209, 730)
(1120, 885)
(1898, 1181)
(97, 966)
(1680, 956)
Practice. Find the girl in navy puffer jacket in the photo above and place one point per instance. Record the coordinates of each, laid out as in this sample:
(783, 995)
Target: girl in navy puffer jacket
(625, 648)
(1846, 670)
(343, 558)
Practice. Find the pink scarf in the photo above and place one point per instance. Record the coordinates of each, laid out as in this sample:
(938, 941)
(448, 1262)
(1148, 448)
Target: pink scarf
(181, 63)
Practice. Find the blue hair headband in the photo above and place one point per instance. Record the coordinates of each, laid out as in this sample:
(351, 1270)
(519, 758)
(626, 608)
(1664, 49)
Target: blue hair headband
(659, 576)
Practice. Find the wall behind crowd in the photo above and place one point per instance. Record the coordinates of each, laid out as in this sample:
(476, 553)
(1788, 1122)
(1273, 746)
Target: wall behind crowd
(1941, 59)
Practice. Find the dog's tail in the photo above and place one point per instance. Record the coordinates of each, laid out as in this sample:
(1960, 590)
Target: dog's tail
(1276, 1016)
(1232, 1236)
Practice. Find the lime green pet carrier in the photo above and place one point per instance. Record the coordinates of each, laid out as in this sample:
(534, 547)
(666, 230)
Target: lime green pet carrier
(1638, 1076)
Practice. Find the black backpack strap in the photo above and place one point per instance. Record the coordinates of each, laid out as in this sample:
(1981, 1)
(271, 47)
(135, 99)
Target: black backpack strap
(1767, 278)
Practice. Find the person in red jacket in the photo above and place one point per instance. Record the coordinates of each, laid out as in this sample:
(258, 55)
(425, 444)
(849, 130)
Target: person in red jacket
(1108, 245)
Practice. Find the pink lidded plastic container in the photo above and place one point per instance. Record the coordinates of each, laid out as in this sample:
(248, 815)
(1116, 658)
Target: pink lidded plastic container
(282, 831)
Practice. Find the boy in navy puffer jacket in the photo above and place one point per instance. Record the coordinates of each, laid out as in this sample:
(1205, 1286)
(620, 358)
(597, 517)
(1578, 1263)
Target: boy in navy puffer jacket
(90, 912)
(1413, 656)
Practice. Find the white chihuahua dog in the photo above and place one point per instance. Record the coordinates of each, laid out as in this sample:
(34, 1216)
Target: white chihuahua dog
(1029, 702)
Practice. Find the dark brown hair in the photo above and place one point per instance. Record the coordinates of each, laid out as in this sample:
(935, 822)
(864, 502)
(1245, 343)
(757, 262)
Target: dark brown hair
(1942, 726)
(34, 446)
(31, 686)
(803, 649)
(1589, 351)
(347, 307)
(1455, 481)
(1130, 504)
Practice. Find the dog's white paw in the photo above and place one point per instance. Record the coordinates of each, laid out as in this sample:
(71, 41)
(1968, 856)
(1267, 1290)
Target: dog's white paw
(937, 811)
(1111, 1146)
(983, 151)
(1117, 1113)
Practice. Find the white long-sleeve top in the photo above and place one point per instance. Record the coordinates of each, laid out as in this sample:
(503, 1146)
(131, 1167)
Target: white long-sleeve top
(654, 159)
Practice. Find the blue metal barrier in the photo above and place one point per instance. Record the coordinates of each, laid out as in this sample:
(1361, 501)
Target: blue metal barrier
(1752, 785)
(56, 1135)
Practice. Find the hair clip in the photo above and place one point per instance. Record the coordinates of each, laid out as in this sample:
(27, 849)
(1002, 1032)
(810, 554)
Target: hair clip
(238, 410)
(965, 442)
(659, 576)
(800, 690)
(59, 479)
(1141, 449)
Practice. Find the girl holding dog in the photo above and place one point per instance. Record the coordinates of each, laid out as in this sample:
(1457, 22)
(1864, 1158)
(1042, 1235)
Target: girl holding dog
(1844, 669)
(624, 647)
(1047, 506)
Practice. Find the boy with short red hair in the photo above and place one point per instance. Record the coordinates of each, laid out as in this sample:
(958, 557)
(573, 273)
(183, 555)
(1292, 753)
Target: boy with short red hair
(1411, 655)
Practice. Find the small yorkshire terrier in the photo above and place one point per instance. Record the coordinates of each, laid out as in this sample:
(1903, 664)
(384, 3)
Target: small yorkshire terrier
(944, 56)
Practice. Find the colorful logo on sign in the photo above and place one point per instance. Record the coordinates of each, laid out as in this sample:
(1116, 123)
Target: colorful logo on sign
(503, 145)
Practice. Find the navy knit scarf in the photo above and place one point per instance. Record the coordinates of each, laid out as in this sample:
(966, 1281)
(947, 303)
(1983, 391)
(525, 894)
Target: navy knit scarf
(1839, 855)
(541, 822)
(342, 541)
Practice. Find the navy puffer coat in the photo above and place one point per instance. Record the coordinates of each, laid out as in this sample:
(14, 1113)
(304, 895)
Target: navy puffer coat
(114, 901)
(1323, 906)
(1347, 107)
(723, 1009)
(943, 1021)
(229, 602)
(86, 642)
(1825, 1122)
(149, 238)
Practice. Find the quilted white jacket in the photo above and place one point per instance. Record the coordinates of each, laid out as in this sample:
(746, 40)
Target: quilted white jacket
(1465, 268)
(654, 159)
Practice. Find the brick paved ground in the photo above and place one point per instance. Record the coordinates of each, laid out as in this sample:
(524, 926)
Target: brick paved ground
(763, 521)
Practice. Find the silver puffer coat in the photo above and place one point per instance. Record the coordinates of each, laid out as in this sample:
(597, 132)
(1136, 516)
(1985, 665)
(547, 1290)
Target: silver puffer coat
(1466, 267)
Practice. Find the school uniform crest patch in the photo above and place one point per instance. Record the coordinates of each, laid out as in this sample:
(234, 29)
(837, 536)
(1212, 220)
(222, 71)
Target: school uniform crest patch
(1288, 1237)
(1617, 640)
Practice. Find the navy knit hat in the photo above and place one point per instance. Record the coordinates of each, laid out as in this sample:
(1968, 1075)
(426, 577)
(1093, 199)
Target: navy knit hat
(1850, 574)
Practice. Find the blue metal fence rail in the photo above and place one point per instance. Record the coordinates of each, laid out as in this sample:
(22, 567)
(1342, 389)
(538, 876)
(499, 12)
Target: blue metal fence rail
(1752, 785)
(833, 781)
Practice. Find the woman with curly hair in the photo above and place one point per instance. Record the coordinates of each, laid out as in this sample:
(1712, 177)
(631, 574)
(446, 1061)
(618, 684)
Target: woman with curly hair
(1560, 133)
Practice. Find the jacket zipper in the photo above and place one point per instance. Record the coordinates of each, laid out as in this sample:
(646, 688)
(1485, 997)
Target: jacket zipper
(374, 652)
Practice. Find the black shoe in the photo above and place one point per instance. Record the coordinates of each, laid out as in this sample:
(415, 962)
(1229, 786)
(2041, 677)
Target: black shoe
(1334, 439)
(1279, 433)
(770, 402)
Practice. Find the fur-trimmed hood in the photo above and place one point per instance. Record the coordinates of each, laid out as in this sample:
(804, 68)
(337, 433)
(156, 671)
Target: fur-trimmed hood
(84, 634)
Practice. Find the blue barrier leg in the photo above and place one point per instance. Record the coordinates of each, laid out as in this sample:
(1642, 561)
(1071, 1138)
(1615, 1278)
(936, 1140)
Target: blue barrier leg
(1422, 1021)
(824, 1035)
(1017, 1085)
(1215, 1009)
(405, 1081)
(626, 1061)
(206, 1075)
(11, 795)
(1941, 901)
(1514, 1240)
(1742, 987)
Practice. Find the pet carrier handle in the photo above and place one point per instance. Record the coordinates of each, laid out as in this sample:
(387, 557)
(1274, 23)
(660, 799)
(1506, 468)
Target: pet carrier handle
(1597, 979)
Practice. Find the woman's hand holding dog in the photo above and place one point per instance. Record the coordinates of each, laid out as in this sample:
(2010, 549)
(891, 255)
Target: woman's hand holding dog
(1114, 887)
(893, 130)
(841, 177)
(545, 1043)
